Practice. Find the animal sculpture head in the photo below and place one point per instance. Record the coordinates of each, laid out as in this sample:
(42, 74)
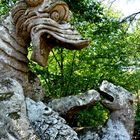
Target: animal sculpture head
(116, 97)
(45, 23)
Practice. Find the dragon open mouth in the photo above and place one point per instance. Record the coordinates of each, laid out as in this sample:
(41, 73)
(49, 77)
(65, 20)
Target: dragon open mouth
(45, 37)
(106, 96)
(48, 27)
(46, 24)
(106, 92)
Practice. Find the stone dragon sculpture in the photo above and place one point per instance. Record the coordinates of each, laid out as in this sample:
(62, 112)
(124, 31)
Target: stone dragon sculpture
(44, 23)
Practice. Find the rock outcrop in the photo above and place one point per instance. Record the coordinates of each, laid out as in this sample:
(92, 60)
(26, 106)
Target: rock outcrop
(14, 123)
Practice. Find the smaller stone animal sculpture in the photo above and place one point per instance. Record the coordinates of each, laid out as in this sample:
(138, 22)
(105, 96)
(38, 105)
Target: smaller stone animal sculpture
(120, 123)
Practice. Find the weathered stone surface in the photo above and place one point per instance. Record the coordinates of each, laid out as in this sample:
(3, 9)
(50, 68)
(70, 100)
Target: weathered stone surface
(17, 124)
(121, 119)
(47, 123)
(14, 124)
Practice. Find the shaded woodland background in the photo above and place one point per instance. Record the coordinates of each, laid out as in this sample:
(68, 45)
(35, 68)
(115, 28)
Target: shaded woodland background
(113, 54)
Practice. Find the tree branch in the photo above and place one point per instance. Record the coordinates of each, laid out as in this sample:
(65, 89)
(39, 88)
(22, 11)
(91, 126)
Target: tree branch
(133, 16)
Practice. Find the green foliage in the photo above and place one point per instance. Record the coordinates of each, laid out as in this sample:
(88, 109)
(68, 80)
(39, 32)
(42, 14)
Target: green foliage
(137, 118)
(89, 10)
(96, 115)
(5, 6)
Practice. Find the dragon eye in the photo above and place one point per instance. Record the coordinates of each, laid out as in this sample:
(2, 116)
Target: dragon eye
(34, 3)
(55, 16)
(59, 12)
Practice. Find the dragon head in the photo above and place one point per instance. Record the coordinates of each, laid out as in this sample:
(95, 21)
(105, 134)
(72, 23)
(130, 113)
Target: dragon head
(45, 22)
(115, 97)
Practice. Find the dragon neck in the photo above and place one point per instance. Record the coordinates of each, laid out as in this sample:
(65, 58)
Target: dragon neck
(13, 53)
(125, 117)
